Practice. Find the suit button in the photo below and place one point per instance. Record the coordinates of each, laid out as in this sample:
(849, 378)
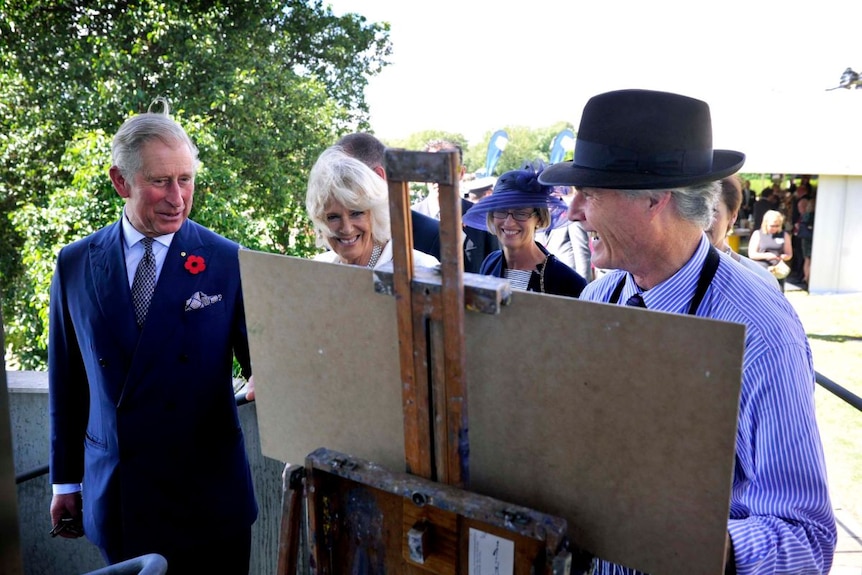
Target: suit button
(103, 362)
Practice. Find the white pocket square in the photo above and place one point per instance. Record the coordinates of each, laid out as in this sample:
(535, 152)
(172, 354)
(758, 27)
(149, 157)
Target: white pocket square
(200, 300)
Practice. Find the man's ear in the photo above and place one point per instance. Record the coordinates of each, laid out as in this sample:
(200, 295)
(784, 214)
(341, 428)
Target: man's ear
(659, 201)
(119, 182)
(380, 172)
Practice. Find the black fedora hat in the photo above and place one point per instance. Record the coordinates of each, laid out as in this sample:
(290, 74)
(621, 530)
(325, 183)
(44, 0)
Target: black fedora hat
(643, 139)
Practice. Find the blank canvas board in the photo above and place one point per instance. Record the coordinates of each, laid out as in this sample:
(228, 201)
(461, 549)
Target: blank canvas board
(620, 420)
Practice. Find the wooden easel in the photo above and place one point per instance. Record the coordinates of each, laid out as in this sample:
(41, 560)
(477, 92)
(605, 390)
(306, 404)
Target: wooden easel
(367, 519)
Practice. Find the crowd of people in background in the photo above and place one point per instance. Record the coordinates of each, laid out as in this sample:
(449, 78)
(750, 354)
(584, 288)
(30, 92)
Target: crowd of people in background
(795, 204)
(790, 197)
(569, 243)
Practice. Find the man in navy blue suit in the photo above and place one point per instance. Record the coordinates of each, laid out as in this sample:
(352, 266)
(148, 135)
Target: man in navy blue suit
(143, 415)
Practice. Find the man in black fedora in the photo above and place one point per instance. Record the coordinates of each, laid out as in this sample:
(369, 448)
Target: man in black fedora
(646, 179)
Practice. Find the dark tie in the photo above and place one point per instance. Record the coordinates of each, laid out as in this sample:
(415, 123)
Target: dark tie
(145, 282)
(636, 301)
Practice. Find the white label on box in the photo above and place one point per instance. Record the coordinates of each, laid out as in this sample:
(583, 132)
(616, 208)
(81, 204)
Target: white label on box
(491, 555)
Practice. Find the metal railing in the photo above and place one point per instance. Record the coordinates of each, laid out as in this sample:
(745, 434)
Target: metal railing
(43, 469)
(821, 379)
(150, 564)
(839, 391)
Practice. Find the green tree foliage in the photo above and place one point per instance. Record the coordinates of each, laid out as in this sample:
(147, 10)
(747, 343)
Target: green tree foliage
(417, 141)
(261, 86)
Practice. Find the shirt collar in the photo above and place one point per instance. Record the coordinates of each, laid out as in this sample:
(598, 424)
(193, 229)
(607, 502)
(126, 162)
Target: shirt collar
(132, 236)
(675, 293)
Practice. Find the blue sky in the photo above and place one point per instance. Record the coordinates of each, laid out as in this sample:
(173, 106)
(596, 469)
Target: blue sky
(473, 66)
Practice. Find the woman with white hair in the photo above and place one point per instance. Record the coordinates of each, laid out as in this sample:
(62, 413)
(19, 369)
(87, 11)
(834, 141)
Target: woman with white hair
(349, 206)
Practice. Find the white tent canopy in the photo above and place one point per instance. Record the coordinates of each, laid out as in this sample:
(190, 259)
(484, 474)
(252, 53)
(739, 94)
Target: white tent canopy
(809, 132)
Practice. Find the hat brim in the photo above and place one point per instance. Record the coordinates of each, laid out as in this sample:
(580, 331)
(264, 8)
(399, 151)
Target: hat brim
(724, 163)
(477, 215)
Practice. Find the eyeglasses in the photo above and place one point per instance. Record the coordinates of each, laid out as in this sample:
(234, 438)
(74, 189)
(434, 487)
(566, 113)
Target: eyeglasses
(518, 215)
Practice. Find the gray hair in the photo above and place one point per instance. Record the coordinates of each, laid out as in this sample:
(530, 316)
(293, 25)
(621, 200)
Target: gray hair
(140, 129)
(695, 204)
(337, 176)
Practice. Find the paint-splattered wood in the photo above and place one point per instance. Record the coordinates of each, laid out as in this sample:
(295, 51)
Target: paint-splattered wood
(367, 519)
(291, 519)
(482, 294)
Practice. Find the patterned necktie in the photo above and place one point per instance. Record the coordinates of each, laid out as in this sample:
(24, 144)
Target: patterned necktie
(636, 301)
(145, 282)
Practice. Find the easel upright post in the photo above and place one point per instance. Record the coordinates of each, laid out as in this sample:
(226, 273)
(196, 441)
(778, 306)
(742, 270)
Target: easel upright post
(411, 338)
(432, 361)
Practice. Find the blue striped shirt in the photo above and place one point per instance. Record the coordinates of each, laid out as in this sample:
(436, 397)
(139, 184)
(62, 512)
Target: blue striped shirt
(781, 518)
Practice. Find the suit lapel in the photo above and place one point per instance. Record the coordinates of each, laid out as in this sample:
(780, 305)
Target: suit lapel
(111, 285)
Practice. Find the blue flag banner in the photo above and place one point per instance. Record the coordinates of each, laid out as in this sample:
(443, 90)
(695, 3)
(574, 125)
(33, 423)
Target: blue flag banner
(495, 149)
(563, 143)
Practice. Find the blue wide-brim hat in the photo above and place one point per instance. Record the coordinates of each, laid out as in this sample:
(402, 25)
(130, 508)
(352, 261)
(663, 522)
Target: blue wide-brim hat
(641, 140)
(517, 189)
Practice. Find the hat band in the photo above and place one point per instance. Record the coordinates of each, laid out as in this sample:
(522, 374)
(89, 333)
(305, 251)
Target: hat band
(616, 159)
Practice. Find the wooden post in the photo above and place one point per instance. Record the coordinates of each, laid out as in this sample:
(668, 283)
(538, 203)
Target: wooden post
(430, 326)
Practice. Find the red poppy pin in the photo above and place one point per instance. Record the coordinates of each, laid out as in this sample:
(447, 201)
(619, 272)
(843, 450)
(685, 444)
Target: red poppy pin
(195, 264)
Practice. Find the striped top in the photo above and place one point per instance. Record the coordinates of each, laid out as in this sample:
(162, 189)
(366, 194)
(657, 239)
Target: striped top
(519, 279)
(781, 518)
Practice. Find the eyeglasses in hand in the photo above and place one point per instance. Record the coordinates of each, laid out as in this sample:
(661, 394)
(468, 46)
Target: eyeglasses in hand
(68, 525)
(518, 215)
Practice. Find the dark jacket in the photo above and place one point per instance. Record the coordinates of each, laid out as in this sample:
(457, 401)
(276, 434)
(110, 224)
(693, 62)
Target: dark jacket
(559, 279)
(426, 233)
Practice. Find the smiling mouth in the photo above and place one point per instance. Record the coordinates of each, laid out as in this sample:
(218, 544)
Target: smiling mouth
(348, 241)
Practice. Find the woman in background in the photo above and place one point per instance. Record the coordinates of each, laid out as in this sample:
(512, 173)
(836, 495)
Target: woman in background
(771, 245)
(726, 212)
(348, 203)
(518, 206)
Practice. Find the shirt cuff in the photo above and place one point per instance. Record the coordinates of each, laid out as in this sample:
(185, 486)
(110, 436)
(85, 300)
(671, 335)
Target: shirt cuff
(65, 488)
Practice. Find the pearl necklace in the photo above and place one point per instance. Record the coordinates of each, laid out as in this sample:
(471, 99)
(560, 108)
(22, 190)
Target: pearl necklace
(375, 255)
